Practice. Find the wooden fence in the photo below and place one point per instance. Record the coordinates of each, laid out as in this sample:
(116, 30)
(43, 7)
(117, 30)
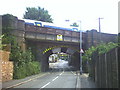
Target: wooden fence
(104, 69)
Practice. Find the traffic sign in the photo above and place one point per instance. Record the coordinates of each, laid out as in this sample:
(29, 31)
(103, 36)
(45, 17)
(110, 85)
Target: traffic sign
(59, 37)
(81, 51)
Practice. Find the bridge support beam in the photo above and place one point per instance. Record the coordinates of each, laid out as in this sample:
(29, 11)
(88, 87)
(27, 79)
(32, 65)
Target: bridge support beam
(44, 63)
(75, 60)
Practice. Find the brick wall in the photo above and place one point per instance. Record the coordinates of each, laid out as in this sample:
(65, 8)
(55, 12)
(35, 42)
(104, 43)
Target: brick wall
(93, 38)
(7, 66)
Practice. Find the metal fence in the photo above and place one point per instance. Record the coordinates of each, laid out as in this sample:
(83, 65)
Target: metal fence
(104, 69)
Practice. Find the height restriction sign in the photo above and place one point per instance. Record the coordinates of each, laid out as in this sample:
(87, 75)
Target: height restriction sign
(59, 37)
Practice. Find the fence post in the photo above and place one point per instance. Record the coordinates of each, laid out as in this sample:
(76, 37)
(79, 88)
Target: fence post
(117, 76)
(118, 51)
(106, 79)
(99, 72)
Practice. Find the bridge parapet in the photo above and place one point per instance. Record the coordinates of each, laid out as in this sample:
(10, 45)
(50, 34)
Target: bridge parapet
(30, 28)
(36, 32)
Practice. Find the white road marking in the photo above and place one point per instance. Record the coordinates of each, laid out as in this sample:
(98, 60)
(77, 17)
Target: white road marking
(61, 73)
(73, 73)
(52, 80)
(58, 76)
(55, 78)
(46, 85)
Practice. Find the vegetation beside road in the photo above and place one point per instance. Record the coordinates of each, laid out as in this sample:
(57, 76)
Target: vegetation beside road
(101, 49)
(24, 62)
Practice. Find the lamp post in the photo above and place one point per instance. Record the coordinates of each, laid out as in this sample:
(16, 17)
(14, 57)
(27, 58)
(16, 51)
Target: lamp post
(81, 51)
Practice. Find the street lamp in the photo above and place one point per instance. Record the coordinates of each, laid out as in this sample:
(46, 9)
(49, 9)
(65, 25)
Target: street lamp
(81, 51)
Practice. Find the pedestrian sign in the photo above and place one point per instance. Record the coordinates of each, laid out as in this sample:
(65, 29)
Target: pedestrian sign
(59, 37)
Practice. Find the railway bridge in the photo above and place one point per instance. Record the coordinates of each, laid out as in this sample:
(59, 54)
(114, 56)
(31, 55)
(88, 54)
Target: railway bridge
(46, 41)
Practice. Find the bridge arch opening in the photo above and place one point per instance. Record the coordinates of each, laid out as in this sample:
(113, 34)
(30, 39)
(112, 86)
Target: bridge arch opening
(59, 61)
(72, 61)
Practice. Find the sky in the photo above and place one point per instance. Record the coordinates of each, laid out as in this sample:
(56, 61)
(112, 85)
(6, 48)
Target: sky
(86, 11)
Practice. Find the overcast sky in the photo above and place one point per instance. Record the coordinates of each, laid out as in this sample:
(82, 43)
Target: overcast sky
(88, 11)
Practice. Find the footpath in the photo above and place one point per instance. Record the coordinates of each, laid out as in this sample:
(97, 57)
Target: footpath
(84, 81)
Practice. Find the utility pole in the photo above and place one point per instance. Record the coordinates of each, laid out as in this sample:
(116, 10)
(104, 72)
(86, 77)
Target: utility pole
(100, 27)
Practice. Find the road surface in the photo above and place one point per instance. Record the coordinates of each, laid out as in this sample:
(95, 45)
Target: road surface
(63, 79)
(56, 78)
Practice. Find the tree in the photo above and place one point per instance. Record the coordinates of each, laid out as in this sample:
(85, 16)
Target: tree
(74, 24)
(39, 14)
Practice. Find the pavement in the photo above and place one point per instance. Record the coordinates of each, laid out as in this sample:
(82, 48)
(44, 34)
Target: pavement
(83, 81)
(86, 81)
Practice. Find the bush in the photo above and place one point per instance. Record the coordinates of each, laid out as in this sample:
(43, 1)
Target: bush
(101, 48)
(33, 68)
(24, 64)
(26, 69)
(20, 72)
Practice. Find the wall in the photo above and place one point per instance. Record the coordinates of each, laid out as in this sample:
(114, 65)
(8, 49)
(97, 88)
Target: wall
(7, 66)
(93, 38)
